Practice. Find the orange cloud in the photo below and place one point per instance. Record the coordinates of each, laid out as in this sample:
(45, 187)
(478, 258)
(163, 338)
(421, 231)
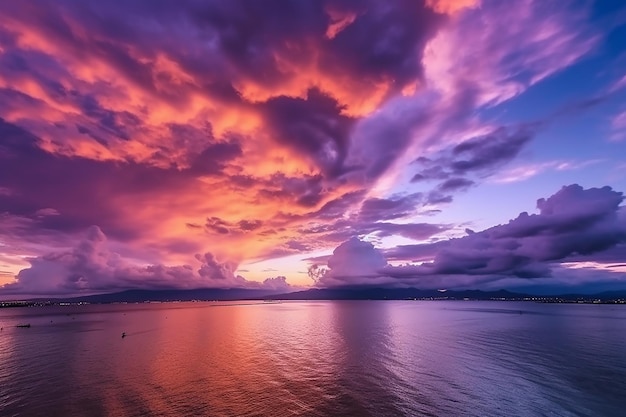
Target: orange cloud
(451, 6)
(339, 21)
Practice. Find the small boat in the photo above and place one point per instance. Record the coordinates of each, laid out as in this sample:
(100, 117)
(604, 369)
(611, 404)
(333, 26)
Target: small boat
(123, 335)
(23, 325)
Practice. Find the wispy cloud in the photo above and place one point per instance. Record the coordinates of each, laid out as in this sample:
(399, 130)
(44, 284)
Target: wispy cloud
(618, 127)
(524, 172)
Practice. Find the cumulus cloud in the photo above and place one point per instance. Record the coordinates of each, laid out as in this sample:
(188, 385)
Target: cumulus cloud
(352, 262)
(278, 283)
(572, 223)
(92, 266)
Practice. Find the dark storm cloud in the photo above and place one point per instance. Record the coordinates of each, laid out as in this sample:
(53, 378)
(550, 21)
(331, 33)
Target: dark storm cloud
(431, 173)
(574, 221)
(339, 207)
(485, 152)
(374, 209)
(304, 191)
(573, 224)
(116, 123)
(455, 184)
(248, 31)
(213, 159)
(436, 197)
(313, 126)
(479, 155)
(382, 41)
(415, 252)
(615, 255)
(370, 209)
(386, 39)
(417, 231)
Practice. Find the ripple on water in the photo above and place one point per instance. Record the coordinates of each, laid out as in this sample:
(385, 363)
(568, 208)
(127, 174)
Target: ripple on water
(314, 359)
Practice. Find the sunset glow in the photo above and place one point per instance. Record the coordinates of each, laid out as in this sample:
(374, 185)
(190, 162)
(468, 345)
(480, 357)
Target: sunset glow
(227, 144)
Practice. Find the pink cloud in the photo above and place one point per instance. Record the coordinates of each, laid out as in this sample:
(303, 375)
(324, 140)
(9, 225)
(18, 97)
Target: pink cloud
(92, 267)
(451, 6)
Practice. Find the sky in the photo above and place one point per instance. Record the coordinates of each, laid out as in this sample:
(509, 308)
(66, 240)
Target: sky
(285, 144)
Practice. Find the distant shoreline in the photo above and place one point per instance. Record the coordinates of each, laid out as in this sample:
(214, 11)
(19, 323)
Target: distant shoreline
(538, 299)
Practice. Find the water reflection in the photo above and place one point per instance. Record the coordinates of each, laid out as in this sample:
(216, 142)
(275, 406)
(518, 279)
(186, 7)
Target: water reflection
(365, 383)
(314, 359)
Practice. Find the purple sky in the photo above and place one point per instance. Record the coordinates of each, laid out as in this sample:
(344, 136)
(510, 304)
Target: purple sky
(282, 144)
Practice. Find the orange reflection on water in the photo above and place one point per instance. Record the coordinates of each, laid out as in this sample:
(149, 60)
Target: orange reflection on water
(239, 350)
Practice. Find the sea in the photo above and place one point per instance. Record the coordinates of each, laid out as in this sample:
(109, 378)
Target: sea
(323, 358)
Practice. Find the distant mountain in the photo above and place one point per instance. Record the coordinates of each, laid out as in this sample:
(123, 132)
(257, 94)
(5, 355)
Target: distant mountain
(395, 294)
(362, 293)
(414, 293)
(134, 296)
(310, 294)
(612, 294)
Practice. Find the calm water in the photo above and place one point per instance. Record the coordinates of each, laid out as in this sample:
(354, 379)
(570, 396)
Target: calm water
(361, 358)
